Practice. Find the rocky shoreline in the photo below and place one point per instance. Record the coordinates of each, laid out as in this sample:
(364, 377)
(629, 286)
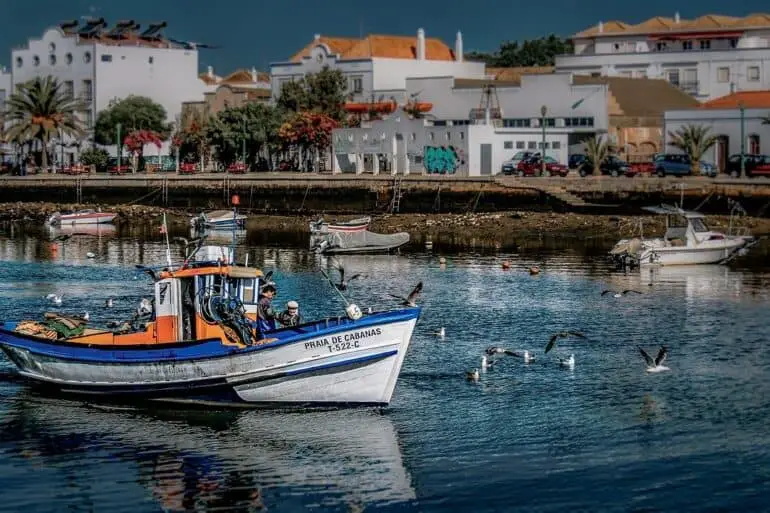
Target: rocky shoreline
(491, 227)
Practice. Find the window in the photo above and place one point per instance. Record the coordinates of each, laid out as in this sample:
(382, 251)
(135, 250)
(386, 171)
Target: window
(439, 123)
(734, 42)
(752, 73)
(356, 84)
(705, 44)
(723, 75)
(542, 144)
(447, 135)
(412, 136)
(686, 45)
(517, 123)
(52, 60)
(52, 47)
(673, 76)
(68, 58)
(661, 46)
(399, 137)
(462, 136)
(519, 145)
(69, 89)
(88, 118)
(616, 47)
(431, 136)
(550, 122)
(36, 60)
(556, 145)
(88, 90)
(87, 57)
(531, 145)
(579, 122)
(754, 144)
(508, 145)
(106, 57)
(150, 59)
(19, 62)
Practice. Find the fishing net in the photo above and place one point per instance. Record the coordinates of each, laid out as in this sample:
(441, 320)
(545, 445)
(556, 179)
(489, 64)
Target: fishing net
(55, 326)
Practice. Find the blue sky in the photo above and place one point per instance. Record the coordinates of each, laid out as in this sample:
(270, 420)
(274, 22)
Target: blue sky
(258, 32)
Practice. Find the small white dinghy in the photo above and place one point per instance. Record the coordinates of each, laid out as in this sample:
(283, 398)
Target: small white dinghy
(81, 217)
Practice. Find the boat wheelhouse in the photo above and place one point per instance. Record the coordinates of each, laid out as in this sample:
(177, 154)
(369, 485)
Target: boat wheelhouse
(687, 241)
(198, 340)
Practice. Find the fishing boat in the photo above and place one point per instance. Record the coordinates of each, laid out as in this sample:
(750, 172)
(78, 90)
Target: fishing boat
(687, 241)
(219, 219)
(354, 225)
(81, 217)
(198, 340)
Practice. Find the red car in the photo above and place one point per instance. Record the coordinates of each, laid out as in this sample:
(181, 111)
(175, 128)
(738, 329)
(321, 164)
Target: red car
(188, 168)
(237, 168)
(532, 166)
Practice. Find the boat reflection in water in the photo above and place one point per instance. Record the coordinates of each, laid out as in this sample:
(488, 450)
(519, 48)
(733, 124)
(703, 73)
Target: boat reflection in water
(227, 459)
(96, 230)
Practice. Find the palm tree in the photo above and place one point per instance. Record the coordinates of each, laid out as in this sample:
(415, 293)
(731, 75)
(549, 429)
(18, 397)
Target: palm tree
(597, 150)
(694, 141)
(40, 109)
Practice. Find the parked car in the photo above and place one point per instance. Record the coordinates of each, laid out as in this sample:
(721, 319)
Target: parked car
(612, 166)
(576, 160)
(533, 166)
(679, 165)
(756, 165)
(509, 166)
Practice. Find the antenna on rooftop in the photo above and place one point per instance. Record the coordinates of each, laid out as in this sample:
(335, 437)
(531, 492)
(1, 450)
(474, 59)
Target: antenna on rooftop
(489, 105)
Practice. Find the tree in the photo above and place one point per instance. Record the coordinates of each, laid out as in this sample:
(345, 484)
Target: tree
(41, 109)
(693, 141)
(536, 52)
(252, 127)
(597, 150)
(308, 130)
(323, 92)
(97, 157)
(133, 113)
(191, 137)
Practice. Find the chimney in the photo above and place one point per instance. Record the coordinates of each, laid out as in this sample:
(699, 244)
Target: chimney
(676, 18)
(210, 72)
(459, 47)
(317, 37)
(601, 27)
(253, 74)
(420, 44)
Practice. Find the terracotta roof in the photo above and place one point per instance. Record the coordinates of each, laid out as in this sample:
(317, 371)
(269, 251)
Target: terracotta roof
(243, 76)
(478, 83)
(375, 45)
(749, 99)
(642, 97)
(515, 73)
(209, 79)
(660, 24)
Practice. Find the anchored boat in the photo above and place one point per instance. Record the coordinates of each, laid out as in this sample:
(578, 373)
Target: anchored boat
(198, 340)
(688, 240)
(81, 217)
(219, 219)
(354, 225)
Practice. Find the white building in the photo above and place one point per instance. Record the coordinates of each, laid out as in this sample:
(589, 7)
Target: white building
(5, 90)
(101, 65)
(378, 65)
(475, 125)
(708, 57)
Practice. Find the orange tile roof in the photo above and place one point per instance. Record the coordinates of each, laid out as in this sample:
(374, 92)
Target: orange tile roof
(660, 24)
(515, 73)
(749, 99)
(243, 76)
(209, 79)
(384, 46)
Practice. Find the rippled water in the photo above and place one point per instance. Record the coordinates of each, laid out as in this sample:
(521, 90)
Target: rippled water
(604, 437)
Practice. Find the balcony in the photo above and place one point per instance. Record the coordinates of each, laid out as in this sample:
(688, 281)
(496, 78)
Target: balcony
(690, 87)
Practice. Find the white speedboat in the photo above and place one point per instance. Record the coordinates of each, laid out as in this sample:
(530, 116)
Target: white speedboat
(81, 217)
(687, 241)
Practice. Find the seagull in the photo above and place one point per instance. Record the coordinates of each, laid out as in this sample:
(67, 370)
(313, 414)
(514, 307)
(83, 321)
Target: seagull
(562, 334)
(343, 285)
(493, 350)
(85, 316)
(55, 299)
(90, 255)
(410, 299)
(486, 363)
(441, 333)
(473, 375)
(568, 362)
(525, 355)
(655, 365)
(109, 303)
(619, 294)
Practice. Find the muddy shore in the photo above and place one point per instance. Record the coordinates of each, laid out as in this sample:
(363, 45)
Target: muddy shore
(499, 227)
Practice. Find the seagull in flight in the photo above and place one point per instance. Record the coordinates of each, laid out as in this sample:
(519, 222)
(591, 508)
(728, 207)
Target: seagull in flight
(562, 334)
(619, 294)
(410, 299)
(655, 365)
(343, 284)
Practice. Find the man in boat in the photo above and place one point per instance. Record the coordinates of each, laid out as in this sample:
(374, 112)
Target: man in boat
(266, 316)
(290, 316)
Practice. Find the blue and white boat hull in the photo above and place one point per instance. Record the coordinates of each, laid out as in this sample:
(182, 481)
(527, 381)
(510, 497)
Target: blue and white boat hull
(348, 362)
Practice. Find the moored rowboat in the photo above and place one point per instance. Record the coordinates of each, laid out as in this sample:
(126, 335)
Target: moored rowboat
(81, 217)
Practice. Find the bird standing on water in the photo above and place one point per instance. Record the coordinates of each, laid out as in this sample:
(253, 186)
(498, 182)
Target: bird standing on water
(473, 375)
(55, 299)
(655, 365)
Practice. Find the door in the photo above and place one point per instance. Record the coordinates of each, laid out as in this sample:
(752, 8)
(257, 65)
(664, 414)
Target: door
(401, 157)
(722, 152)
(486, 159)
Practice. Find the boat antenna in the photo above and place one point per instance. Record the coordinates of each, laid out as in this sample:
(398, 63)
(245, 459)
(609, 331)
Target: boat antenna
(338, 291)
(168, 244)
(235, 200)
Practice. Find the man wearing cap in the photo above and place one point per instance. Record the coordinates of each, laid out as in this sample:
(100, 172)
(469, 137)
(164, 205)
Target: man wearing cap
(290, 316)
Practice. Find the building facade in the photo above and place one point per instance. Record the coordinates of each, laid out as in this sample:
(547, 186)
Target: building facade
(101, 65)
(708, 57)
(6, 87)
(742, 114)
(475, 125)
(377, 66)
(235, 90)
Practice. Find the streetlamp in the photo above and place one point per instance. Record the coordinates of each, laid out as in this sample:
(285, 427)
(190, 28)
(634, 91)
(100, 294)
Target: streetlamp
(244, 140)
(543, 112)
(742, 108)
(117, 143)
